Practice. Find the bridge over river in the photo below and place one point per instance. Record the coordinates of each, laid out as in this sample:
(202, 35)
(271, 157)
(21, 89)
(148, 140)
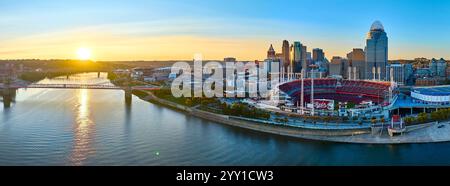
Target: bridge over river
(7, 91)
(79, 86)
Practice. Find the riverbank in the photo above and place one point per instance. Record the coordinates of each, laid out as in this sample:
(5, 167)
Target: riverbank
(429, 133)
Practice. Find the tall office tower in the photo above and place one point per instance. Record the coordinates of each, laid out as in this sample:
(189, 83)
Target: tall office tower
(357, 60)
(295, 56)
(308, 56)
(298, 57)
(303, 58)
(271, 53)
(336, 66)
(318, 55)
(286, 54)
(376, 52)
(309, 59)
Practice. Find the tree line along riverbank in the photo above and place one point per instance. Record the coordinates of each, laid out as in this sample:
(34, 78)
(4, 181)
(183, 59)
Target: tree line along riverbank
(38, 76)
(212, 105)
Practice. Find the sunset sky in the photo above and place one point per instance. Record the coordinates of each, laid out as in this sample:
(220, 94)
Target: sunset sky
(178, 29)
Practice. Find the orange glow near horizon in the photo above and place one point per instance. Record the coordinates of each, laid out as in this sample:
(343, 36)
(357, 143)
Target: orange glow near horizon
(116, 47)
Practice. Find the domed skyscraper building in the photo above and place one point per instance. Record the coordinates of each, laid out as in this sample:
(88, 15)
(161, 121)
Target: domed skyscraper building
(377, 53)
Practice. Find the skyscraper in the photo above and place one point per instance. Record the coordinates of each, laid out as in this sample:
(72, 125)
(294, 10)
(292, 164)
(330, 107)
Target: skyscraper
(318, 55)
(376, 52)
(271, 53)
(286, 54)
(303, 58)
(357, 60)
(336, 66)
(298, 57)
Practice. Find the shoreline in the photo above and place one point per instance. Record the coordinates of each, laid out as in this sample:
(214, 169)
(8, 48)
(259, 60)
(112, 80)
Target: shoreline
(429, 133)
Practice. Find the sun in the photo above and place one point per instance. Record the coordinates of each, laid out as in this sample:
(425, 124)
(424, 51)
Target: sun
(84, 53)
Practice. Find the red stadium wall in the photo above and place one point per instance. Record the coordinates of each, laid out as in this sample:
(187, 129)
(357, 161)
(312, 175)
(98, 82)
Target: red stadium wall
(354, 91)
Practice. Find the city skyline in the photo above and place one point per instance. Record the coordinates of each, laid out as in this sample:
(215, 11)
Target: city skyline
(158, 30)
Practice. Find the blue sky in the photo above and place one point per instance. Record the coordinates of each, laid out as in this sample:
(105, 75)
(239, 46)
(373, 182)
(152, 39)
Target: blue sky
(415, 27)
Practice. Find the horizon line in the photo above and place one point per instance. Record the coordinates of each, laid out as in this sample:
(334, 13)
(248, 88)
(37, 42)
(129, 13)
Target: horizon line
(173, 60)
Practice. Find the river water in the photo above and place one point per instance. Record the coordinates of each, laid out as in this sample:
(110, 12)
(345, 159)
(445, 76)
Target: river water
(97, 127)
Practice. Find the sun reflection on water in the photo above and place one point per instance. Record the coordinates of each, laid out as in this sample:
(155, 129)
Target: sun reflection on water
(83, 129)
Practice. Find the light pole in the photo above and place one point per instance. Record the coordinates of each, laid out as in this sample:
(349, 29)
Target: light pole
(313, 67)
(302, 92)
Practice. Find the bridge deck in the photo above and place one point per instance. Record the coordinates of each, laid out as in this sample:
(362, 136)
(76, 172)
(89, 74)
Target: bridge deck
(79, 86)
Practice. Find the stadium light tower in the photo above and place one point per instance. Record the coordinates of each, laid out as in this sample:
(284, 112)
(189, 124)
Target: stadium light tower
(391, 72)
(349, 73)
(302, 93)
(379, 73)
(313, 68)
(373, 74)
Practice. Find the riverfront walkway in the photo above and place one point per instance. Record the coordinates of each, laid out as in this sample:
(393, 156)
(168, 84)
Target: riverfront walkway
(306, 125)
(437, 132)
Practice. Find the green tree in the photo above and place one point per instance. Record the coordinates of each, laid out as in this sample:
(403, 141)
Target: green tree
(188, 102)
(435, 116)
(409, 120)
(422, 117)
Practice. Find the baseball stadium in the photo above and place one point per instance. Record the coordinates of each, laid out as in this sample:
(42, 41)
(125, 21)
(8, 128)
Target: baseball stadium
(341, 90)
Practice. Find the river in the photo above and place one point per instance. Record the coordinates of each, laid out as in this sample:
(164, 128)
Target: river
(97, 127)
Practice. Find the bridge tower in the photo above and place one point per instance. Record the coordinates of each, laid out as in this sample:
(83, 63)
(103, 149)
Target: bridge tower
(128, 95)
(128, 92)
(8, 95)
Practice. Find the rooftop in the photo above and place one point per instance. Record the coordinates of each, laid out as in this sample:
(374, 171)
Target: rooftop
(377, 26)
(435, 91)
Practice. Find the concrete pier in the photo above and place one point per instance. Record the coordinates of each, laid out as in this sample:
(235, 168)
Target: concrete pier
(128, 96)
(8, 96)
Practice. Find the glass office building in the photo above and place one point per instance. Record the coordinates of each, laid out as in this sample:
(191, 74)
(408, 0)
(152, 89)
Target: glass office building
(376, 52)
